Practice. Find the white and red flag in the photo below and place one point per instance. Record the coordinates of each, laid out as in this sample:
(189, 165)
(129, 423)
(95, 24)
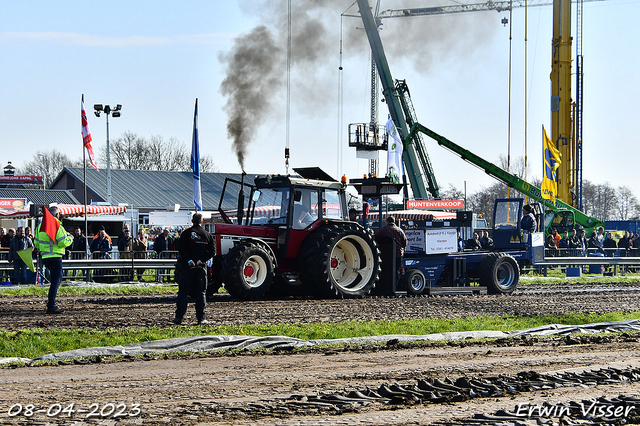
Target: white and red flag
(86, 136)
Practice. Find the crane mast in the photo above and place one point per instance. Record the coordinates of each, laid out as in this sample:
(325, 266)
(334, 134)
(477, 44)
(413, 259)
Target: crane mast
(561, 104)
(373, 164)
(415, 175)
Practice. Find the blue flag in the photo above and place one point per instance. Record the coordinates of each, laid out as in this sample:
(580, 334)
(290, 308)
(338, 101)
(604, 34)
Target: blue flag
(195, 161)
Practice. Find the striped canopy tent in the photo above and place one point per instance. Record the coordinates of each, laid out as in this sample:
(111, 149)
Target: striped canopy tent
(67, 210)
(414, 215)
(76, 210)
(14, 214)
(274, 211)
(264, 211)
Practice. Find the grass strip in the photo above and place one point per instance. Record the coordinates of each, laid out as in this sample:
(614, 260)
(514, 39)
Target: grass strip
(72, 290)
(554, 276)
(38, 342)
(557, 276)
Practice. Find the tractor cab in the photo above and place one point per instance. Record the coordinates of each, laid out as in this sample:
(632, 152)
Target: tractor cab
(286, 208)
(562, 220)
(507, 229)
(291, 233)
(296, 203)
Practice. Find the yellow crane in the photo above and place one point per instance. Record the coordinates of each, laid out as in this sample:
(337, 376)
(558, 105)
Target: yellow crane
(561, 102)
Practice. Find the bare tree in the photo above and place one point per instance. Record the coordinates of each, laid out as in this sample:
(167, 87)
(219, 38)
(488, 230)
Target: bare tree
(451, 193)
(177, 155)
(129, 151)
(207, 165)
(517, 167)
(48, 164)
(600, 200)
(627, 206)
(483, 200)
(133, 152)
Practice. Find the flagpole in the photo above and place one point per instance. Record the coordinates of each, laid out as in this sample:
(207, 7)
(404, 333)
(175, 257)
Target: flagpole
(195, 136)
(195, 162)
(84, 181)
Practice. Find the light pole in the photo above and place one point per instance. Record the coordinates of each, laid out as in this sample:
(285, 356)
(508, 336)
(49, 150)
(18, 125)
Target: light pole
(115, 112)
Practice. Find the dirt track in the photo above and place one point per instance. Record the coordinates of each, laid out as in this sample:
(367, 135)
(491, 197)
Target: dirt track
(117, 312)
(251, 389)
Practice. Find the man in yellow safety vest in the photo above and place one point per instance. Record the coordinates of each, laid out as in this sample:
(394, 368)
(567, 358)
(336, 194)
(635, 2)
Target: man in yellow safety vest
(51, 240)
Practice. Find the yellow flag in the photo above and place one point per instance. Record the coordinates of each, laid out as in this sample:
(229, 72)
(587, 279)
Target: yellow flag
(27, 257)
(551, 157)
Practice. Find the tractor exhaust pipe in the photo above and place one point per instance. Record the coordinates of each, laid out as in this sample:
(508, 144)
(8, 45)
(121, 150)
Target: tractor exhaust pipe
(241, 200)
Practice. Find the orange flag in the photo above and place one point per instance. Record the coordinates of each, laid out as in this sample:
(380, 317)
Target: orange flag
(50, 224)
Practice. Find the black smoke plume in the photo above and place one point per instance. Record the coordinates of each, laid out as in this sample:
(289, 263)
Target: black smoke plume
(256, 65)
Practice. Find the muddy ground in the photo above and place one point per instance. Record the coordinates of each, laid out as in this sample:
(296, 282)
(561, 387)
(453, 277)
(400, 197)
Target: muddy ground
(309, 387)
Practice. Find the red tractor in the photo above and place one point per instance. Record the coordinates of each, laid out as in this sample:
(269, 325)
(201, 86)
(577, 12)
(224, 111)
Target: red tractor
(292, 236)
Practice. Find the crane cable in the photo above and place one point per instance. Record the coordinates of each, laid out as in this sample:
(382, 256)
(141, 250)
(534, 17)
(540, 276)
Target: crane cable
(509, 113)
(288, 107)
(339, 139)
(526, 112)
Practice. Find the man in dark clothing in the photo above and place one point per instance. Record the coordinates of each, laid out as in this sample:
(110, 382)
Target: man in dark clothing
(610, 245)
(196, 246)
(101, 249)
(125, 248)
(474, 242)
(486, 242)
(78, 249)
(125, 228)
(162, 244)
(5, 239)
(392, 230)
(79, 246)
(624, 244)
(528, 222)
(386, 234)
(19, 242)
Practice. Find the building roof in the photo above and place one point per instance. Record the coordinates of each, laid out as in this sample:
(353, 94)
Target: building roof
(154, 189)
(40, 196)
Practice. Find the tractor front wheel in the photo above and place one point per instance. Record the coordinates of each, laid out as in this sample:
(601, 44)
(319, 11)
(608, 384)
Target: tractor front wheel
(415, 282)
(248, 271)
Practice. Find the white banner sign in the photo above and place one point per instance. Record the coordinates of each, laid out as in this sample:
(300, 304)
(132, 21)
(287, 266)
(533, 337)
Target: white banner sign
(415, 240)
(442, 240)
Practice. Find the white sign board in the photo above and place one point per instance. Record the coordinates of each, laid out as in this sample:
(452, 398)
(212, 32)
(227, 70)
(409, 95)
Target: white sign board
(443, 240)
(432, 241)
(167, 218)
(415, 240)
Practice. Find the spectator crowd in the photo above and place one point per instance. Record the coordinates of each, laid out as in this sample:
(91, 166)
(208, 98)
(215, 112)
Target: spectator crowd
(100, 246)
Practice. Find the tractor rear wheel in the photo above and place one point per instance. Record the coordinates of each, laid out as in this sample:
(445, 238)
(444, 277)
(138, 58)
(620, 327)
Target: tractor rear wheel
(340, 260)
(499, 272)
(248, 271)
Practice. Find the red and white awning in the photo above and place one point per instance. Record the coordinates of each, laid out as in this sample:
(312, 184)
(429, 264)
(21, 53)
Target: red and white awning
(274, 211)
(264, 211)
(14, 214)
(75, 210)
(67, 210)
(414, 215)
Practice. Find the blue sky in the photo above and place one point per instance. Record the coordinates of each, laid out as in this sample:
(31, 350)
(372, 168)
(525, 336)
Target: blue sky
(156, 57)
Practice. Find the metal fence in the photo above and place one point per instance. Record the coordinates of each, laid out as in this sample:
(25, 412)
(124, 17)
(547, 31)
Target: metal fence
(607, 252)
(149, 266)
(613, 261)
(105, 267)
